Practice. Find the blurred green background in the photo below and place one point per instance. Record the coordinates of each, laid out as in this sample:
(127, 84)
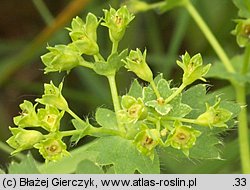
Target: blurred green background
(26, 27)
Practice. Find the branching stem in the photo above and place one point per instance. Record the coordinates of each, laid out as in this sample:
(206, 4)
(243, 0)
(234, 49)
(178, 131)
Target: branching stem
(115, 98)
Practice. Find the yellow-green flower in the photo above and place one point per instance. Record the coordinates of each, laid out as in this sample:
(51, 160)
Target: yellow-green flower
(182, 137)
(136, 62)
(23, 139)
(84, 35)
(61, 58)
(28, 116)
(193, 68)
(117, 22)
(133, 109)
(53, 96)
(214, 116)
(146, 141)
(49, 118)
(52, 149)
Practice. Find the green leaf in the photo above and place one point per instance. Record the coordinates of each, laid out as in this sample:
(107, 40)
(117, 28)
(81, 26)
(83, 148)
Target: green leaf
(135, 89)
(148, 94)
(206, 147)
(124, 156)
(112, 65)
(164, 88)
(196, 98)
(244, 7)
(88, 167)
(116, 59)
(106, 118)
(158, 78)
(79, 126)
(233, 107)
(26, 166)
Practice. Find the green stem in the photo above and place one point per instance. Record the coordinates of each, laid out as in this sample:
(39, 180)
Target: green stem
(243, 129)
(74, 115)
(44, 11)
(4, 147)
(186, 120)
(93, 131)
(98, 57)
(158, 125)
(115, 99)
(157, 5)
(114, 47)
(87, 64)
(178, 91)
(156, 91)
(246, 60)
(210, 37)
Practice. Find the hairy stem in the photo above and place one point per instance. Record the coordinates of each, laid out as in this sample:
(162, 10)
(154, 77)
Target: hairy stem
(210, 37)
(115, 99)
(243, 129)
(246, 60)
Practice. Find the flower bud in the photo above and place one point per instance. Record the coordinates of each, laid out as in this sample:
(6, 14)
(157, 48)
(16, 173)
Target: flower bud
(214, 116)
(61, 58)
(49, 118)
(182, 137)
(146, 141)
(117, 22)
(136, 62)
(23, 139)
(133, 110)
(52, 149)
(53, 97)
(28, 117)
(193, 68)
(84, 35)
(242, 32)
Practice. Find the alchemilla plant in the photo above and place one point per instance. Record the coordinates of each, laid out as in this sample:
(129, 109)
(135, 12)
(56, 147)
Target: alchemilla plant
(183, 120)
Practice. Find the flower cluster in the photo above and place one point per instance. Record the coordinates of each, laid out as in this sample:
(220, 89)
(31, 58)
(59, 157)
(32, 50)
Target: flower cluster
(150, 116)
(50, 145)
